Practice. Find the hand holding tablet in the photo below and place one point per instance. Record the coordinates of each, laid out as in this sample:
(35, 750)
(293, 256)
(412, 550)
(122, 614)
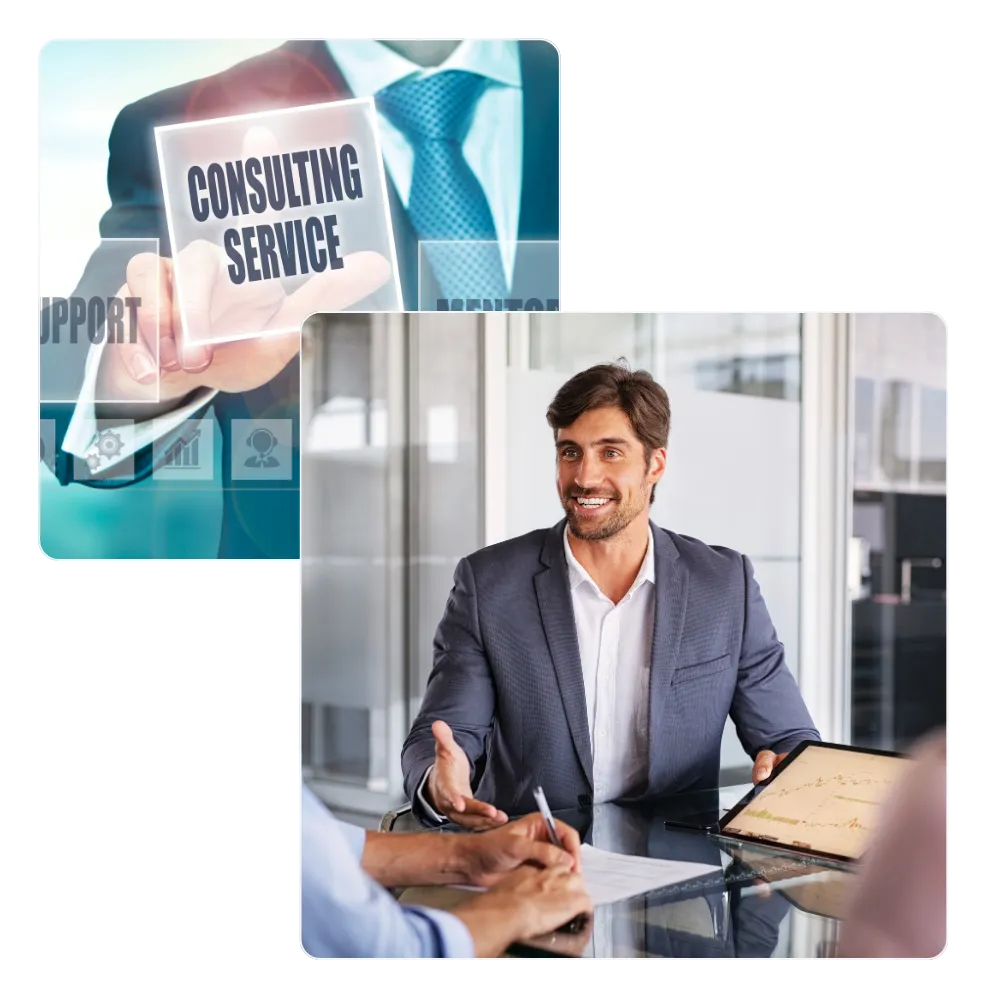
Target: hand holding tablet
(823, 799)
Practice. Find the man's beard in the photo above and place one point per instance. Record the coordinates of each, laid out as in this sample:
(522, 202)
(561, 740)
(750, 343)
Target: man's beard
(617, 520)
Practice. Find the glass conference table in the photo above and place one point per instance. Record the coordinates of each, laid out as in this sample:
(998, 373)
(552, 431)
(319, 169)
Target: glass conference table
(757, 904)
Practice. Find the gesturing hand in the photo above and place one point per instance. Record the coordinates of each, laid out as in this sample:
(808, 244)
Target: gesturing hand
(450, 788)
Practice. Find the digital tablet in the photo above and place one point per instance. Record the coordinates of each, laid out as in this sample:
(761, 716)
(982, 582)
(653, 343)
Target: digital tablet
(822, 800)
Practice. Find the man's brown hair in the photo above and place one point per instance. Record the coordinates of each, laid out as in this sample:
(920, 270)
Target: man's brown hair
(643, 400)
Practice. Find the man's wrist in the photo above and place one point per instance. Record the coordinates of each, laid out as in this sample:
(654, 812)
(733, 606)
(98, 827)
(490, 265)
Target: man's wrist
(113, 384)
(493, 922)
(429, 796)
(422, 796)
(461, 855)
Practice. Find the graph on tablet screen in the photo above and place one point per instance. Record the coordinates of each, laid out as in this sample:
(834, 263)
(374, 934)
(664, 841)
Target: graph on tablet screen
(826, 801)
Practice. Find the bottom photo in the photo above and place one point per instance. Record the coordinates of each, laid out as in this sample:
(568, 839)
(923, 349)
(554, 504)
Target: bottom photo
(623, 635)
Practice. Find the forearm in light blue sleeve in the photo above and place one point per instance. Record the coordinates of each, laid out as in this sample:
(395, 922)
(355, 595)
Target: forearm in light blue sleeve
(346, 914)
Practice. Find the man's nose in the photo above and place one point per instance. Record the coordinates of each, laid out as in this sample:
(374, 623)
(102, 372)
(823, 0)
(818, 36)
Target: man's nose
(588, 474)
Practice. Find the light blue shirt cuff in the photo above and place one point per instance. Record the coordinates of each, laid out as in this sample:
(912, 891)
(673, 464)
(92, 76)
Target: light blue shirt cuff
(454, 939)
(355, 837)
(134, 435)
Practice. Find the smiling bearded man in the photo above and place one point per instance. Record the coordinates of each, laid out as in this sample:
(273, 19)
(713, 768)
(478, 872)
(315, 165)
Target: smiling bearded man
(601, 657)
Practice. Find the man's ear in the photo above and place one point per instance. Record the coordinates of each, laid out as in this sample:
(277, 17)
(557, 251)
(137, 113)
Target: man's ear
(657, 464)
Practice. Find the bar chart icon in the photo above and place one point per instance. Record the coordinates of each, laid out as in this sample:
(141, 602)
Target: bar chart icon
(185, 452)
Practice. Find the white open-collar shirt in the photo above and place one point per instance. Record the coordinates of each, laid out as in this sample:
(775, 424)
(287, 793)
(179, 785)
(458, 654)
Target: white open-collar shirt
(615, 642)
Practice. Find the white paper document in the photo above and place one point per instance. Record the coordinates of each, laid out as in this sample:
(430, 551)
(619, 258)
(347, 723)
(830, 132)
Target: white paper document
(611, 877)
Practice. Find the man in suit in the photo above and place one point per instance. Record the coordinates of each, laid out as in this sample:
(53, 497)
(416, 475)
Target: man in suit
(598, 658)
(470, 139)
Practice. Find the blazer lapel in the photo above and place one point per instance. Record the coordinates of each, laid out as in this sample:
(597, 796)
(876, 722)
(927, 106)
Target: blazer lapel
(556, 608)
(668, 628)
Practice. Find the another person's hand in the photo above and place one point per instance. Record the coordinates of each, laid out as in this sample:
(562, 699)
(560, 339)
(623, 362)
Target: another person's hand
(569, 943)
(449, 785)
(129, 371)
(527, 902)
(765, 763)
(492, 855)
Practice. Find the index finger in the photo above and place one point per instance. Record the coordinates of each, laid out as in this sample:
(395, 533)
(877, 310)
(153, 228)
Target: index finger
(473, 807)
(197, 267)
(148, 279)
(472, 821)
(544, 854)
(571, 842)
(334, 290)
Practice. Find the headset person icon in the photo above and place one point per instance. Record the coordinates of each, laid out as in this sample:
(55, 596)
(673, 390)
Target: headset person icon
(263, 443)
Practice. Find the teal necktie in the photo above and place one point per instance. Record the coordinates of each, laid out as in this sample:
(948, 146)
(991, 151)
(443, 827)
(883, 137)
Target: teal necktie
(446, 201)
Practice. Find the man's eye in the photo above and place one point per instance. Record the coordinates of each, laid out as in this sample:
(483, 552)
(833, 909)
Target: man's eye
(611, 453)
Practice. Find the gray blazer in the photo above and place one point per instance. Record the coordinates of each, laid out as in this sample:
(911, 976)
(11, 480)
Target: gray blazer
(507, 676)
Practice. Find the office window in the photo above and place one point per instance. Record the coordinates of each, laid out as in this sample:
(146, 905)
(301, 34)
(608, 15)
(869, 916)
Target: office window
(898, 565)
(933, 436)
(864, 430)
(391, 500)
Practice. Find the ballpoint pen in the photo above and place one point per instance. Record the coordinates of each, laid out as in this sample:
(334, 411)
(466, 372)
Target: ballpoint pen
(543, 808)
(577, 924)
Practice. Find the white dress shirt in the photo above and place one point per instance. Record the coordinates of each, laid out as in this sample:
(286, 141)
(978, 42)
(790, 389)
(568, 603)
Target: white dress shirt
(615, 643)
(492, 148)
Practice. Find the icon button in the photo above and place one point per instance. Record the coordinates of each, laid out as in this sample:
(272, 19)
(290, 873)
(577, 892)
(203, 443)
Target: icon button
(262, 449)
(110, 453)
(185, 452)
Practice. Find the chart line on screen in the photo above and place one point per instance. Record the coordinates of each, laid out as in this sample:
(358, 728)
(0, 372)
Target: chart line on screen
(817, 804)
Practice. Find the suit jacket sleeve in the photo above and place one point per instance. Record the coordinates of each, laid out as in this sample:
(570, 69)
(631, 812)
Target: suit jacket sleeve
(767, 708)
(459, 690)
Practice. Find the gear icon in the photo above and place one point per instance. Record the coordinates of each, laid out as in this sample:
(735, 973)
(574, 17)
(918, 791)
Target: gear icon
(109, 444)
(93, 462)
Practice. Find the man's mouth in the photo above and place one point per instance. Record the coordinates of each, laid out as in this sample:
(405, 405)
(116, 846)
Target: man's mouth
(591, 503)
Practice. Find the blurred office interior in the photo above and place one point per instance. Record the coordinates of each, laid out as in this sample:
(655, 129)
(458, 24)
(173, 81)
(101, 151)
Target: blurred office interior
(814, 443)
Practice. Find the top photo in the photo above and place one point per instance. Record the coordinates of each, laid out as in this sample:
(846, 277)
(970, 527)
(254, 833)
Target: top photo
(199, 200)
